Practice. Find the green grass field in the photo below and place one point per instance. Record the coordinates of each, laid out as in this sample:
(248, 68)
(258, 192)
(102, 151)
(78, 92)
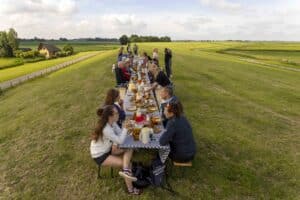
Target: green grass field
(14, 72)
(10, 62)
(245, 119)
(78, 47)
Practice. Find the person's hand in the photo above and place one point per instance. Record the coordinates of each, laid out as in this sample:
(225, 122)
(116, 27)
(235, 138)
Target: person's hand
(127, 124)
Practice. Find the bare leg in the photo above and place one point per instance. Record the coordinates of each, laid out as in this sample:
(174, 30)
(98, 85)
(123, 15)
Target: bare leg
(127, 159)
(114, 161)
(117, 161)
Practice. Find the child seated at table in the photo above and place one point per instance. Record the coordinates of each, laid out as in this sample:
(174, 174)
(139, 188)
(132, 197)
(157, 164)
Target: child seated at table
(178, 134)
(102, 151)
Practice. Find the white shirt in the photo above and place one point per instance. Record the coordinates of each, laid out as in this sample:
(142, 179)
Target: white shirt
(111, 134)
(155, 55)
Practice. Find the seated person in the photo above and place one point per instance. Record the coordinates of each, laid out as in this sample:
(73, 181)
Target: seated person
(178, 134)
(104, 153)
(113, 98)
(167, 96)
(124, 71)
(159, 77)
(145, 58)
(119, 74)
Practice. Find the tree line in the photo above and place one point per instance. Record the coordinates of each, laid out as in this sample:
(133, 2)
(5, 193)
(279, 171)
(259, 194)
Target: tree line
(124, 39)
(96, 39)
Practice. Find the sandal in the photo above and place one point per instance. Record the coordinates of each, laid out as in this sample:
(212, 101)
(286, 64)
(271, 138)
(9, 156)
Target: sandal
(135, 191)
(127, 174)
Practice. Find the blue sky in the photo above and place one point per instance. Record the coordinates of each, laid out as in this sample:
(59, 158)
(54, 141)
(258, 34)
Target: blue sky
(190, 19)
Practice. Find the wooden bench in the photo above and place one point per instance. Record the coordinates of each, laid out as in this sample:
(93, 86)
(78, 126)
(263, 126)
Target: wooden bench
(180, 165)
(185, 164)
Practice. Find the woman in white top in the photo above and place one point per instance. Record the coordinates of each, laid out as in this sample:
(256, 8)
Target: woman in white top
(104, 153)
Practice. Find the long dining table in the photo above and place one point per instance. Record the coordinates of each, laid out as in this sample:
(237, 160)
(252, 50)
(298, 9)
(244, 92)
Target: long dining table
(137, 99)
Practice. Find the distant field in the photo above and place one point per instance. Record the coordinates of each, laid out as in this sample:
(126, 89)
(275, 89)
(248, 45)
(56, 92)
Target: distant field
(245, 119)
(78, 46)
(14, 72)
(286, 54)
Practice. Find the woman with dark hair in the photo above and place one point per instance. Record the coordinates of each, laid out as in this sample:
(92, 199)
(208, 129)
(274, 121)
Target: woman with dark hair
(113, 98)
(178, 134)
(107, 131)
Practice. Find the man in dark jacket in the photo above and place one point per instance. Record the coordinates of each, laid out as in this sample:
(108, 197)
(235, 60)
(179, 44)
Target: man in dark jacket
(168, 62)
(178, 134)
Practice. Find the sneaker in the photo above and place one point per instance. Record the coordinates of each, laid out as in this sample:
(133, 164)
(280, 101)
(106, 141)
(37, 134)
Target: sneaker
(127, 174)
(135, 191)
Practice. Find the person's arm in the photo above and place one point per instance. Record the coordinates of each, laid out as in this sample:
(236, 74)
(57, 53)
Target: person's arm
(154, 85)
(118, 137)
(168, 135)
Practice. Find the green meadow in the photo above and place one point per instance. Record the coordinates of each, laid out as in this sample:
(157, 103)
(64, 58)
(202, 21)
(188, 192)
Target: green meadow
(78, 46)
(20, 70)
(245, 118)
(26, 65)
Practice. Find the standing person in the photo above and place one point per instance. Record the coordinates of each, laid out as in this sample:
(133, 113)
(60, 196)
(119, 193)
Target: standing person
(168, 61)
(178, 134)
(113, 98)
(102, 151)
(171, 55)
(128, 48)
(135, 49)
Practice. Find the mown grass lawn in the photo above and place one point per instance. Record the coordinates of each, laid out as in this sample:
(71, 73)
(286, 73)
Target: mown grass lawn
(245, 119)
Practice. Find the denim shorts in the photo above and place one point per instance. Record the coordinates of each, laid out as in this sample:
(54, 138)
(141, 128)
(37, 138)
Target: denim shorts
(102, 158)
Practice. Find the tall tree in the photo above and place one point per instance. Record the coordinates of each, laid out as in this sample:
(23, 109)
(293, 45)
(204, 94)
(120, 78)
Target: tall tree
(12, 37)
(5, 48)
(124, 39)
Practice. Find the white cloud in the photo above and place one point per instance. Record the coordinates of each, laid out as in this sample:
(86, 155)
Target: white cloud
(195, 23)
(67, 18)
(223, 5)
(60, 7)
